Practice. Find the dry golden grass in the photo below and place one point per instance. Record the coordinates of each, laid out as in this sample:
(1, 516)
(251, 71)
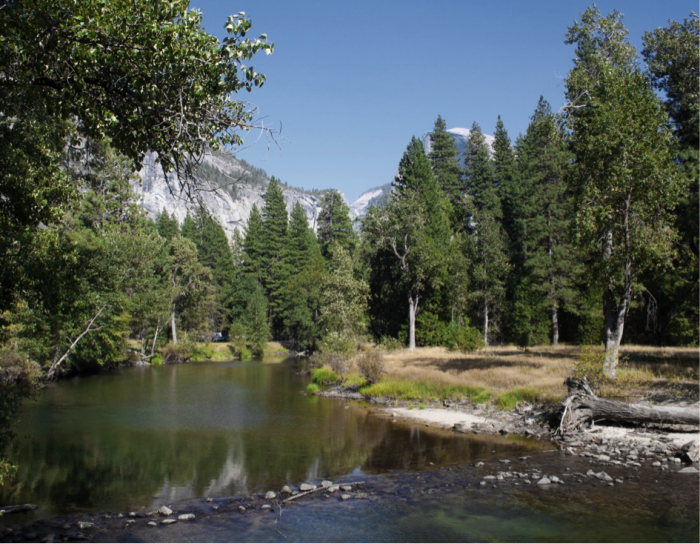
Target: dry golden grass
(504, 368)
(499, 369)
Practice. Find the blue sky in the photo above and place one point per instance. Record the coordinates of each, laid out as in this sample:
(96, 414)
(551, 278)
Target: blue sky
(351, 82)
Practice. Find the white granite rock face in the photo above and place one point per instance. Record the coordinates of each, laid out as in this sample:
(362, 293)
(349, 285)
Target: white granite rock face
(157, 194)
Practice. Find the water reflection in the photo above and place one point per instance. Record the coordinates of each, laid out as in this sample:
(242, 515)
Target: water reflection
(149, 436)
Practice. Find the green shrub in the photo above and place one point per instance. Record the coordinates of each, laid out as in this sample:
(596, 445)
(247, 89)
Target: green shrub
(342, 344)
(177, 353)
(156, 360)
(590, 363)
(312, 388)
(324, 376)
(388, 343)
(371, 364)
(462, 337)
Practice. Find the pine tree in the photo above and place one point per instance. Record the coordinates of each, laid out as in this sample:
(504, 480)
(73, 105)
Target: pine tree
(300, 241)
(301, 301)
(215, 252)
(550, 262)
(334, 224)
(189, 229)
(444, 162)
(487, 242)
(415, 176)
(275, 222)
(479, 174)
(253, 246)
(167, 227)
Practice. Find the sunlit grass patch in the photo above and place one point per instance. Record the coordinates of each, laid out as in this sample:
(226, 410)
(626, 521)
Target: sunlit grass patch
(313, 388)
(324, 376)
(509, 400)
(424, 390)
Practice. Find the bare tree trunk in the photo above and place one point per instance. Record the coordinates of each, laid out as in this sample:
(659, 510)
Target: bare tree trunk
(614, 326)
(412, 309)
(54, 366)
(143, 342)
(172, 326)
(555, 324)
(486, 324)
(155, 338)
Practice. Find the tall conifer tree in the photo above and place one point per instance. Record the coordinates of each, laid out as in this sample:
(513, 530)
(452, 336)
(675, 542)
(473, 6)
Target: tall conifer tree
(550, 262)
(275, 222)
(487, 240)
(444, 161)
(334, 224)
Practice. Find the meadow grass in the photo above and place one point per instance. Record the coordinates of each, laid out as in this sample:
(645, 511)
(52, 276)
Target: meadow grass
(424, 390)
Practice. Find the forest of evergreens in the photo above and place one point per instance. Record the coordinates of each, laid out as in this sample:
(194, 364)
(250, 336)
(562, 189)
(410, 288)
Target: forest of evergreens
(582, 230)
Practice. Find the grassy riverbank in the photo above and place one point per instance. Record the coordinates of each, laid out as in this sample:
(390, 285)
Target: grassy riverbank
(507, 375)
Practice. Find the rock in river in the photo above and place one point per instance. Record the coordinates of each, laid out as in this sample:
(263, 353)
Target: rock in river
(164, 510)
(307, 487)
(270, 495)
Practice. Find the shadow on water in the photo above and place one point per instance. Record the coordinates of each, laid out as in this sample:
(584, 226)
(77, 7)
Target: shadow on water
(142, 437)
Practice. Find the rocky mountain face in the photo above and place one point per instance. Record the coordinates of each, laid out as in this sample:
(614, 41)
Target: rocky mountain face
(229, 190)
(231, 187)
(375, 196)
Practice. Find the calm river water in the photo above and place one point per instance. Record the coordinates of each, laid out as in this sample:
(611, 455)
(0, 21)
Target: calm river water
(144, 437)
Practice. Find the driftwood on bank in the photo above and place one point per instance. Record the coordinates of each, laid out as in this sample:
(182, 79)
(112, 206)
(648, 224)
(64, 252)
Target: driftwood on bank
(582, 406)
(321, 488)
(17, 509)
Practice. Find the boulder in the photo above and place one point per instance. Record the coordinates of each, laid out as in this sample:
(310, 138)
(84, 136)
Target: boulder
(270, 495)
(186, 517)
(691, 451)
(164, 510)
(168, 521)
(307, 487)
(326, 483)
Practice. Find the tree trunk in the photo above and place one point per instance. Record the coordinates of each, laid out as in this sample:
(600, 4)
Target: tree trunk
(555, 324)
(412, 308)
(155, 338)
(615, 314)
(143, 343)
(172, 326)
(486, 324)
(582, 406)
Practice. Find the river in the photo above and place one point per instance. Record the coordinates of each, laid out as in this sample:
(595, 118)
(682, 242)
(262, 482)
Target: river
(143, 437)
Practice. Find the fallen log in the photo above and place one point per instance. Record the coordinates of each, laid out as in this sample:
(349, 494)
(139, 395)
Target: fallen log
(17, 509)
(582, 406)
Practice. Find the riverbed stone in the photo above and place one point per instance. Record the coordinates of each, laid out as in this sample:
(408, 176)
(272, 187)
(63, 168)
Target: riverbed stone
(265, 507)
(603, 476)
(333, 488)
(85, 525)
(326, 483)
(345, 497)
(164, 510)
(286, 489)
(241, 508)
(168, 521)
(152, 524)
(689, 470)
(691, 451)
(270, 495)
(346, 487)
(307, 487)
(364, 495)
(186, 517)
(656, 464)
(544, 481)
